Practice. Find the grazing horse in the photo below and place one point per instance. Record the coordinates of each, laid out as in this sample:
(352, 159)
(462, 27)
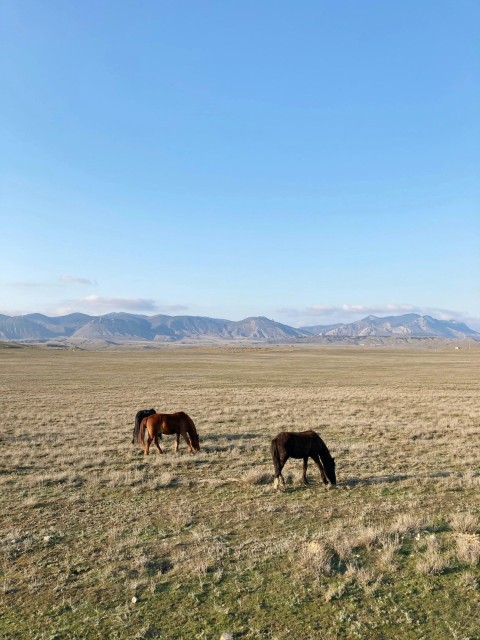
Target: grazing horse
(169, 423)
(306, 444)
(138, 419)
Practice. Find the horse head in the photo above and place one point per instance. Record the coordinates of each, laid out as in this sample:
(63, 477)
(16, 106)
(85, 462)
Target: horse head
(194, 440)
(329, 466)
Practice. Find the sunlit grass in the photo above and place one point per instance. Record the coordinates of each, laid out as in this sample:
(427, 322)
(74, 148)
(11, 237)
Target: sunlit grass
(99, 541)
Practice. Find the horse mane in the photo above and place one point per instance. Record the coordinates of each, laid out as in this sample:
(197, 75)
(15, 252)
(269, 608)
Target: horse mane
(190, 422)
(191, 429)
(325, 453)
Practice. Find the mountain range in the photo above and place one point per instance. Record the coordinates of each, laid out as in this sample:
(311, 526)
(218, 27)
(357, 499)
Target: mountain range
(127, 327)
(407, 325)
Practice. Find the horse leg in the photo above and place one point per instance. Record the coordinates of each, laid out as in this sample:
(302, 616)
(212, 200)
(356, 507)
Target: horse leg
(155, 439)
(147, 445)
(280, 476)
(305, 465)
(316, 459)
(177, 437)
(186, 437)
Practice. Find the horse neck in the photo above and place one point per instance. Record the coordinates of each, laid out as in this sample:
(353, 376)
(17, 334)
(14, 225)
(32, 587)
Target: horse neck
(324, 452)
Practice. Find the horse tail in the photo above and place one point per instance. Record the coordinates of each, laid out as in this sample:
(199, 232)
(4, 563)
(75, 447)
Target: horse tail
(192, 431)
(276, 457)
(143, 424)
(136, 432)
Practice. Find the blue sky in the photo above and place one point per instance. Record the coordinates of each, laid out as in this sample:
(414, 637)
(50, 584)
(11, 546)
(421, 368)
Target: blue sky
(308, 161)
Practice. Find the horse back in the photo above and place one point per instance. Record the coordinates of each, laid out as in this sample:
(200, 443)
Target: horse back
(298, 444)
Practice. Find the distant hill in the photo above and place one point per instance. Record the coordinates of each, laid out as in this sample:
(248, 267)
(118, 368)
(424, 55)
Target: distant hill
(408, 325)
(77, 328)
(121, 327)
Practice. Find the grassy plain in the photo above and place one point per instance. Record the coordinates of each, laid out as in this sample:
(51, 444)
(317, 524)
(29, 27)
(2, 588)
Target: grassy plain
(99, 541)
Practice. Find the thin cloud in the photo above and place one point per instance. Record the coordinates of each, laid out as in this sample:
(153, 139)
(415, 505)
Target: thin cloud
(171, 308)
(348, 310)
(356, 309)
(26, 284)
(103, 304)
(67, 279)
(63, 279)
(130, 304)
(345, 313)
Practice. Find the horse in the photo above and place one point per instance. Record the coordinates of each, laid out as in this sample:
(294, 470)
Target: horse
(306, 444)
(169, 423)
(143, 413)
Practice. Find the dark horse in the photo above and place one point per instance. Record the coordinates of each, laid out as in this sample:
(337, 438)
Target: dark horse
(168, 423)
(306, 444)
(143, 413)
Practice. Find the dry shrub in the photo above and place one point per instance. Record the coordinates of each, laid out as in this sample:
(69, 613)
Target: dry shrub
(389, 545)
(341, 544)
(408, 523)
(464, 523)
(468, 548)
(365, 578)
(334, 592)
(366, 537)
(257, 476)
(431, 562)
(316, 557)
(468, 580)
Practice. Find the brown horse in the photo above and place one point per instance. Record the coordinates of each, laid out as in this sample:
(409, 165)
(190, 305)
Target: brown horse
(304, 444)
(169, 423)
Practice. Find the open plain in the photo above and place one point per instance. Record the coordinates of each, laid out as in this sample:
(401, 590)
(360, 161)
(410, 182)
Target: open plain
(99, 541)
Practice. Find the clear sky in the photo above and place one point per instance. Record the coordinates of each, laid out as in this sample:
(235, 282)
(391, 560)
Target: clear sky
(310, 161)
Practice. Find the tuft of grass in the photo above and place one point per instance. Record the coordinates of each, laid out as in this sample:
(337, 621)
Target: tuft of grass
(316, 558)
(431, 561)
(464, 522)
(257, 477)
(467, 548)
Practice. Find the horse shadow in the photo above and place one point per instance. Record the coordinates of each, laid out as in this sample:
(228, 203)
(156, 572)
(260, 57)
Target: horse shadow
(234, 436)
(358, 482)
(400, 477)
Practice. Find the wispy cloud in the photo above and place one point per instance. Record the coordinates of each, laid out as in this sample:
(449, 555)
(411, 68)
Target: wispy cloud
(103, 304)
(347, 311)
(62, 280)
(331, 314)
(356, 309)
(26, 284)
(67, 279)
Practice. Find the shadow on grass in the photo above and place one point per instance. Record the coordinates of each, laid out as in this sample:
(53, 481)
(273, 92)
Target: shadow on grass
(233, 436)
(356, 482)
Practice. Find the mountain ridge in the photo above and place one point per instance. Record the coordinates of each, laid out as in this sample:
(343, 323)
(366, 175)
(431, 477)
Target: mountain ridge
(129, 327)
(406, 325)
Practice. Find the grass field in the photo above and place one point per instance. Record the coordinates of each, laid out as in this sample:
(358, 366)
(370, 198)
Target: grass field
(99, 541)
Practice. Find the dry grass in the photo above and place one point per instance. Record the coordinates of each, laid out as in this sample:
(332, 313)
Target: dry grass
(88, 523)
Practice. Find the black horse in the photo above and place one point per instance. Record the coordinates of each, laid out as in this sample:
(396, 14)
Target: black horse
(143, 413)
(306, 444)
